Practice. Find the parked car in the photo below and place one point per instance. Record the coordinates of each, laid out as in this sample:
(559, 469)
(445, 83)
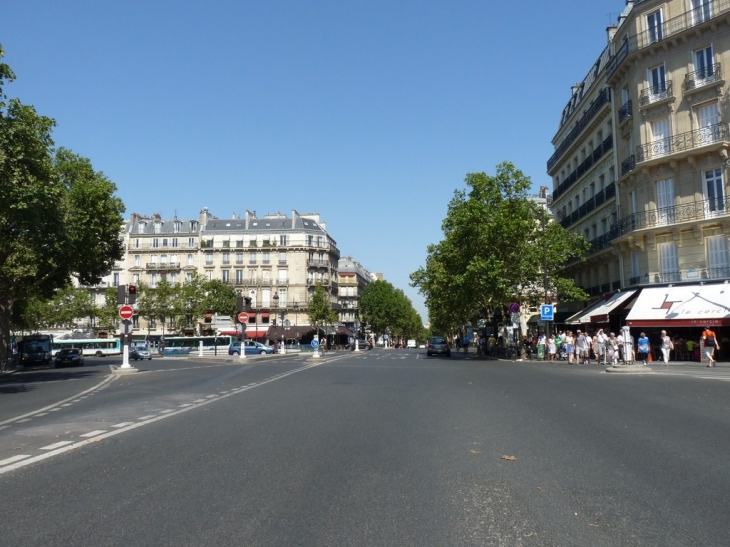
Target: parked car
(140, 352)
(70, 357)
(438, 344)
(252, 348)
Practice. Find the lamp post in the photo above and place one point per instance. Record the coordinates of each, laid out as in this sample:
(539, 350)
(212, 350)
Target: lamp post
(296, 317)
(276, 310)
(163, 308)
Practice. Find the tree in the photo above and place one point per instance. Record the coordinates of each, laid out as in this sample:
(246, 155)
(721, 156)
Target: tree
(387, 309)
(319, 310)
(107, 315)
(58, 217)
(497, 247)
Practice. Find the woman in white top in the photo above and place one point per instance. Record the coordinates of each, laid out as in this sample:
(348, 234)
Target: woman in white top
(666, 347)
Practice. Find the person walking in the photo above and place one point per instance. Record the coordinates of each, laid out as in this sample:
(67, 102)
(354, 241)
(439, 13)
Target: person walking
(580, 349)
(643, 348)
(600, 345)
(710, 339)
(569, 347)
(613, 349)
(666, 346)
(552, 348)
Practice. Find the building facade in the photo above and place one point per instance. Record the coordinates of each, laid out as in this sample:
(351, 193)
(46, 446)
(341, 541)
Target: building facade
(353, 278)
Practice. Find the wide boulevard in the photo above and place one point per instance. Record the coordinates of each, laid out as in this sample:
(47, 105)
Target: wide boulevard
(380, 448)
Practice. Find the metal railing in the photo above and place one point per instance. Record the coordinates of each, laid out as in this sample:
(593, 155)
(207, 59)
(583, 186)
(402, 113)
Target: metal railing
(628, 165)
(684, 141)
(590, 160)
(625, 111)
(702, 77)
(664, 216)
(656, 93)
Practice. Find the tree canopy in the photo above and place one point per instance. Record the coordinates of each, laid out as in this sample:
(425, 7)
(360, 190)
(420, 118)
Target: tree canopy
(385, 309)
(498, 246)
(59, 217)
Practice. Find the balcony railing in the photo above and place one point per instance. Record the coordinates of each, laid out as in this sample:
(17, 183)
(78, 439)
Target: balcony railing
(665, 216)
(692, 274)
(590, 160)
(656, 93)
(163, 266)
(684, 141)
(603, 97)
(589, 206)
(691, 18)
(625, 111)
(702, 77)
(628, 165)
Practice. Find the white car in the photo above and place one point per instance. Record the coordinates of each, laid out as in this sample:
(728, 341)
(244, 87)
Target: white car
(411, 344)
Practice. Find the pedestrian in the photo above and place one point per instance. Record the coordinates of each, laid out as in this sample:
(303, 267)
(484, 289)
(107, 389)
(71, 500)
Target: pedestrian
(620, 343)
(613, 349)
(643, 348)
(465, 343)
(580, 349)
(492, 347)
(552, 348)
(711, 343)
(542, 339)
(569, 342)
(666, 346)
(600, 345)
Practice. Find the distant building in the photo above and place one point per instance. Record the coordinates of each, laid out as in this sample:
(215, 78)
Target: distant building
(353, 278)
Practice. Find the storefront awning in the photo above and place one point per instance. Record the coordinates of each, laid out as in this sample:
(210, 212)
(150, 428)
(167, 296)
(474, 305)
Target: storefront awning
(682, 306)
(584, 315)
(600, 314)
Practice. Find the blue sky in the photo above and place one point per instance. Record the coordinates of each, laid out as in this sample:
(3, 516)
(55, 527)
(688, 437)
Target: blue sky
(369, 113)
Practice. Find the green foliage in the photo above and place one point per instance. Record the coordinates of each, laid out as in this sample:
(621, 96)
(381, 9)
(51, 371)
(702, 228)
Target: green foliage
(319, 310)
(387, 309)
(498, 246)
(58, 217)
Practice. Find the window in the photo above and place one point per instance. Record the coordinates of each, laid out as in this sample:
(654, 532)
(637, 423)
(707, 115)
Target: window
(191, 243)
(252, 242)
(283, 276)
(661, 144)
(239, 243)
(708, 118)
(239, 258)
(141, 227)
(283, 240)
(190, 260)
(153, 280)
(153, 259)
(135, 243)
(115, 280)
(655, 26)
(158, 227)
(174, 242)
(226, 243)
(189, 277)
(173, 278)
(266, 298)
(135, 279)
(163, 259)
(177, 226)
(282, 298)
(714, 193)
(657, 83)
(208, 259)
(173, 259)
(266, 257)
(165, 242)
(635, 267)
(282, 257)
(669, 262)
(137, 260)
(718, 257)
(701, 11)
(226, 276)
(665, 201)
(704, 67)
(252, 257)
(209, 243)
(239, 277)
(226, 258)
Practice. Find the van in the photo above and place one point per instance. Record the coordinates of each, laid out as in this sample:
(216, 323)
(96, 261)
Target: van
(411, 344)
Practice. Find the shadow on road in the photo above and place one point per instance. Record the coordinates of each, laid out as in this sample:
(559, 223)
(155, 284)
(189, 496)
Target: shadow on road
(22, 382)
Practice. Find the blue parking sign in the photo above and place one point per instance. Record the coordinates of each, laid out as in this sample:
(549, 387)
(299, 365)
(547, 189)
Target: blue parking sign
(546, 312)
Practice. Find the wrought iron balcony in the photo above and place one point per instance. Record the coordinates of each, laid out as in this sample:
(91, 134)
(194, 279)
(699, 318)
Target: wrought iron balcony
(628, 165)
(684, 141)
(590, 160)
(702, 77)
(163, 266)
(603, 97)
(712, 9)
(722, 272)
(656, 93)
(665, 216)
(625, 111)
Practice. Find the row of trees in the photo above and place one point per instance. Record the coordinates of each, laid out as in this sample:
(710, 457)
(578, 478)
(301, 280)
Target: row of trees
(498, 247)
(59, 218)
(385, 309)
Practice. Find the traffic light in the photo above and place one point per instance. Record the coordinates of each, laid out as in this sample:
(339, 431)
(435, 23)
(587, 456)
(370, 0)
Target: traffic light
(121, 294)
(239, 304)
(273, 322)
(248, 304)
(132, 294)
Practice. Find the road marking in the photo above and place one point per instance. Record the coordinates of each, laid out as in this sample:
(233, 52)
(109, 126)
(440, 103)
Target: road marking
(199, 400)
(54, 409)
(122, 424)
(93, 433)
(147, 417)
(106, 381)
(211, 396)
(56, 445)
(24, 420)
(14, 459)
(67, 404)
(41, 414)
(66, 446)
(184, 405)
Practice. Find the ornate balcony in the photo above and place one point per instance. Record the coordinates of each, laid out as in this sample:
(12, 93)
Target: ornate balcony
(700, 78)
(656, 93)
(625, 112)
(665, 216)
(682, 142)
(628, 165)
(166, 266)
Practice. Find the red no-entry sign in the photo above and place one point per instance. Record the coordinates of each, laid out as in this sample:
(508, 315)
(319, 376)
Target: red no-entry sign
(126, 312)
(242, 317)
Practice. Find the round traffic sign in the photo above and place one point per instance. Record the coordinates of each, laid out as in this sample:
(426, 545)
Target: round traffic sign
(243, 317)
(315, 343)
(126, 312)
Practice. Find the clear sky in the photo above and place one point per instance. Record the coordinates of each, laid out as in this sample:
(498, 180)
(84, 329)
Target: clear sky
(368, 112)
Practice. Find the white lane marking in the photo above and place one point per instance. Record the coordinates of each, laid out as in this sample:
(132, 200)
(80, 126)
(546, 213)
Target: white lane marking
(198, 400)
(167, 411)
(85, 442)
(122, 424)
(24, 420)
(211, 396)
(54, 410)
(184, 405)
(107, 380)
(146, 417)
(93, 433)
(14, 459)
(56, 445)
(67, 404)
(41, 414)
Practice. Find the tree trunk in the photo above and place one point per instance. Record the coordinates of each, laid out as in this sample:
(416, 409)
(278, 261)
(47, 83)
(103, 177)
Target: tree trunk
(6, 311)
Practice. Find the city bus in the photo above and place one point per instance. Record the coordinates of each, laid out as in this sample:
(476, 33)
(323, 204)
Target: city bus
(91, 347)
(184, 345)
(35, 349)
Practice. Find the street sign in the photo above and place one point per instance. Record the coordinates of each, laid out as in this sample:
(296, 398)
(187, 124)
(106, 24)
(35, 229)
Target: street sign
(243, 327)
(514, 307)
(243, 317)
(315, 343)
(546, 312)
(126, 312)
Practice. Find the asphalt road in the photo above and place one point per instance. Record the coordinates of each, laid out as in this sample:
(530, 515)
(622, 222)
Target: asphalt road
(379, 449)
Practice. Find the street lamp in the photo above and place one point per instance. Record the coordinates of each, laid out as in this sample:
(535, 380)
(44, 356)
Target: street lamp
(163, 308)
(276, 310)
(296, 317)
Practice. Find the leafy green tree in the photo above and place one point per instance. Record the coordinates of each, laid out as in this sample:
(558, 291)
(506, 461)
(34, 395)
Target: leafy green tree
(497, 247)
(107, 315)
(387, 309)
(58, 217)
(219, 298)
(319, 310)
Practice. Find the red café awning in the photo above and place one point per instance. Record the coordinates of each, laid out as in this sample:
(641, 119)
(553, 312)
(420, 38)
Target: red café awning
(264, 314)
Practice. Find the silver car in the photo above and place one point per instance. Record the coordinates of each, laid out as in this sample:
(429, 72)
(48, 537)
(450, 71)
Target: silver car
(140, 352)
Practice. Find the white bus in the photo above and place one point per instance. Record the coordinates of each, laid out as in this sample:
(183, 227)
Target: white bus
(91, 347)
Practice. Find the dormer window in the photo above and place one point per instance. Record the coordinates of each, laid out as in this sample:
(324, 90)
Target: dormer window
(141, 227)
(177, 227)
(158, 227)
